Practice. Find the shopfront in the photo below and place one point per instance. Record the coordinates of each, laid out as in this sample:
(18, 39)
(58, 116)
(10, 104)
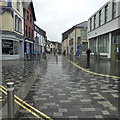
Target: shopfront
(116, 45)
(11, 46)
(11, 49)
(29, 47)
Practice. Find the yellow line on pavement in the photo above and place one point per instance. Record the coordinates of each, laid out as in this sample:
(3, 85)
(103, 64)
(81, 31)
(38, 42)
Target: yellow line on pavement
(91, 71)
(37, 116)
(36, 110)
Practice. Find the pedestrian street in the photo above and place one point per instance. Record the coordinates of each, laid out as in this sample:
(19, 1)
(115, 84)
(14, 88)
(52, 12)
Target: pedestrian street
(62, 91)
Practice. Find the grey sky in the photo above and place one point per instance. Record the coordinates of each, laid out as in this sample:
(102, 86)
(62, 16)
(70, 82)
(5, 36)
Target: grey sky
(57, 16)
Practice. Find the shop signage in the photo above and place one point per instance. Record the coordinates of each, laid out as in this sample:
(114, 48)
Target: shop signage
(7, 44)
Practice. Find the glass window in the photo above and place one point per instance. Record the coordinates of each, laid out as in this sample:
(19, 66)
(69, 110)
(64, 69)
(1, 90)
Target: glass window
(114, 10)
(93, 45)
(7, 47)
(31, 19)
(83, 34)
(106, 13)
(29, 32)
(94, 21)
(10, 47)
(15, 47)
(20, 25)
(26, 30)
(100, 18)
(91, 24)
(16, 23)
(103, 44)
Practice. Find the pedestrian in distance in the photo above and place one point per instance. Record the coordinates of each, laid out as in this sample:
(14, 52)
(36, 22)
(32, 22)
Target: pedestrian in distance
(88, 53)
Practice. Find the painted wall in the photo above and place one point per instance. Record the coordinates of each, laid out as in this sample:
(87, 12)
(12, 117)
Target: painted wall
(7, 26)
(6, 15)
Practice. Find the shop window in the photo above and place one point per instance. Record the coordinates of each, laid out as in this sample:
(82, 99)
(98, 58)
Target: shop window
(103, 44)
(15, 47)
(93, 45)
(7, 47)
(10, 47)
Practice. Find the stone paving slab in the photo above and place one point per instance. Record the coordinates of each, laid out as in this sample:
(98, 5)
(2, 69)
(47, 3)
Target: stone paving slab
(66, 92)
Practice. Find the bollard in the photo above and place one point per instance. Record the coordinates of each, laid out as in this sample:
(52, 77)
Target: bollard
(10, 98)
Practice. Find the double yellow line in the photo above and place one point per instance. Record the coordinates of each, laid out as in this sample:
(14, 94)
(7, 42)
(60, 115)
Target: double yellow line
(3, 89)
(91, 71)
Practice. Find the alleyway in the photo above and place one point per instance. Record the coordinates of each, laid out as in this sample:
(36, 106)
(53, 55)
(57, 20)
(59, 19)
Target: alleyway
(61, 90)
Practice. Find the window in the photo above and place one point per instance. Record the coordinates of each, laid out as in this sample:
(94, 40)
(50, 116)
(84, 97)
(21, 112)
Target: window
(15, 47)
(83, 35)
(20, 25)
(16, 23)
(94, 21)
(26, 30)
(30, 18)
(93, 45)
(100, 18)
(27, 15)
(103, 44)
(91, 24)
(10, 47)
(106, 13)
(29, 32)
(18, 5)
(114, 10)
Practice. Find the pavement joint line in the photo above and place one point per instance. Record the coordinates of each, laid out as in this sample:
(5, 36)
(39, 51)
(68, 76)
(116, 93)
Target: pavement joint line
(91, 71)
(26, 103)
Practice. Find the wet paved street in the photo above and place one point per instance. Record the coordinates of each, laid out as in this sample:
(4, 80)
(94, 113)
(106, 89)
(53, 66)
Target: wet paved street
(63, 91)
(23, 74)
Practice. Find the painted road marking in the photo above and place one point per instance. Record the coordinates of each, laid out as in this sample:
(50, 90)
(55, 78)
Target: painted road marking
(36, 110)
(103, 75)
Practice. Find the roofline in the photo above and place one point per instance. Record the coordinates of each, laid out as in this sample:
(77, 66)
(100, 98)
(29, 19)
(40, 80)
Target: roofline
(99, 9)
(34, 17)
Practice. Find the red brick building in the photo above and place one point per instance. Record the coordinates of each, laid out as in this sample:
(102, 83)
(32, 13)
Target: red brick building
(29, 18)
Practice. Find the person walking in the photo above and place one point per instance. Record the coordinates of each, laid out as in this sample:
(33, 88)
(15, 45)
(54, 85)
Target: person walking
(88, 53)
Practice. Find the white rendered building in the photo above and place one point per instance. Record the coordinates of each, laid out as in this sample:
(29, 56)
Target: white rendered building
(104, 30)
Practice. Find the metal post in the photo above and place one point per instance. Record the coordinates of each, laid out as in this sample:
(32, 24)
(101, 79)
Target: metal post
(10, 98)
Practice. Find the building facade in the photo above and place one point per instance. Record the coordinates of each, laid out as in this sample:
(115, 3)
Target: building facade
(29, 18)
(40, 40)
(74, 40)
(104, 30)
(12, 31)
(53, 46)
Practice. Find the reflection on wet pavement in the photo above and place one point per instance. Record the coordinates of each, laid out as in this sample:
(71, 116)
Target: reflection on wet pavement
(63, 91)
